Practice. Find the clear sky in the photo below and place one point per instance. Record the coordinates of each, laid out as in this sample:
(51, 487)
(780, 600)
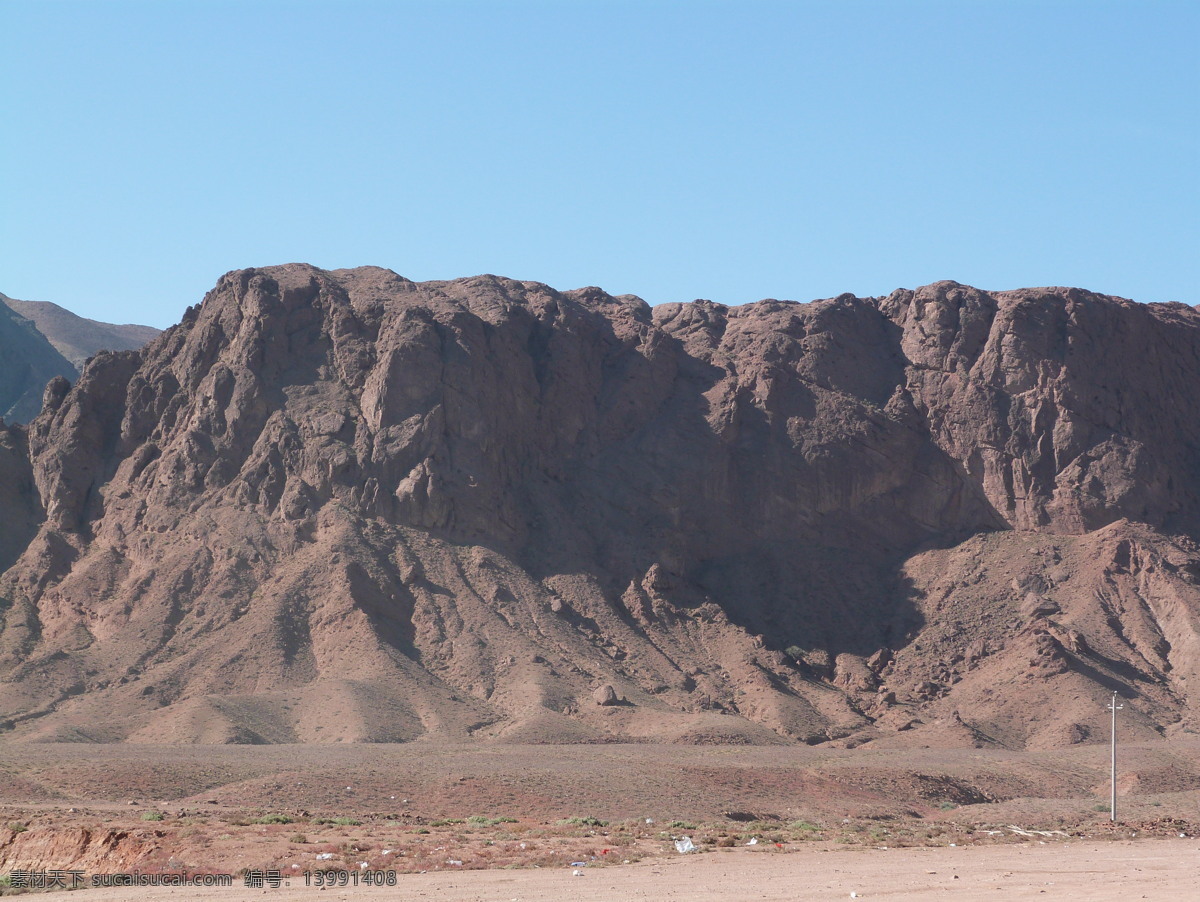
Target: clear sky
(673, 150)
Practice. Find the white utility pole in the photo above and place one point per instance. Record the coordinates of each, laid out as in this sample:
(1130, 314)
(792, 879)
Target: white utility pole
(1112, 802)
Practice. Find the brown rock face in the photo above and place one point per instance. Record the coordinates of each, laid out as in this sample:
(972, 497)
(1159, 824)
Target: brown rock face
(1070, 410)
(343, 505)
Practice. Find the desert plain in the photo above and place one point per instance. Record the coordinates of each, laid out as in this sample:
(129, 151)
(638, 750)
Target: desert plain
(482, 821)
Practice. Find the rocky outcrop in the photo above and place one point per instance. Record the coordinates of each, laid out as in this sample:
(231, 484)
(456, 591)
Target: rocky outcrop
(459, 507)
(78, 848)
(1069, 410)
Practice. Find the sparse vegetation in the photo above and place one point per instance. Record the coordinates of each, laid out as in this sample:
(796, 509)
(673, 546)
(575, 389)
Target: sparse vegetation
(298, 838)
(273, 819)
(153, 816)
(582, 822)
(480, 821)
(339, 821)
(17, 828)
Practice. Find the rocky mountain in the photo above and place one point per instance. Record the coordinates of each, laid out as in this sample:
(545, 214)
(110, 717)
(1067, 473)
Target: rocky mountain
(346, 506)
(75, 337)
(27, 362)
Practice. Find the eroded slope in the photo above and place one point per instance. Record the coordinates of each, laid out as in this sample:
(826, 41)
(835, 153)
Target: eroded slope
(344, 505)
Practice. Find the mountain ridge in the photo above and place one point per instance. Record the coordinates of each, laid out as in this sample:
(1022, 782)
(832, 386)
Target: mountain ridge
(30, 361)
(487, 508)
(78, 338)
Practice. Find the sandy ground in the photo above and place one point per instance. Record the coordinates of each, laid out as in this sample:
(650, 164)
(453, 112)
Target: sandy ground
(501, 823)
(1094, 871)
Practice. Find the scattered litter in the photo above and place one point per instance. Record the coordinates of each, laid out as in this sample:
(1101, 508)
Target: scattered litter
(522, 845)
(1020, 831)
(579, 864)
(349, 787)
(853, 895)
(454, 861)
(324, 856)
(684, 845)
(576, 873)
(953, 845)
(626, 861)
(1183, 836)
(362, 865)
(386, 852)
(649, 820)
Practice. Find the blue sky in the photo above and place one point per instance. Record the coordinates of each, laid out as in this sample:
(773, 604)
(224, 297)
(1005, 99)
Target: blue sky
(673, 150)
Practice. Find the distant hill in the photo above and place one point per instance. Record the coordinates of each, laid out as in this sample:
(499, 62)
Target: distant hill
(75, 337)
(27, 362)
(39, 341)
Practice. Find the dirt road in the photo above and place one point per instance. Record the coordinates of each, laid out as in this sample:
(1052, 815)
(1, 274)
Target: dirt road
(1094, 871)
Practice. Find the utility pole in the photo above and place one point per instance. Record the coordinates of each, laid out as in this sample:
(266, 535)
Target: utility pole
(1112, 801)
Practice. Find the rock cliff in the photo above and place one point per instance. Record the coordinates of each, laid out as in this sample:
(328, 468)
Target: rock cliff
(346, 506)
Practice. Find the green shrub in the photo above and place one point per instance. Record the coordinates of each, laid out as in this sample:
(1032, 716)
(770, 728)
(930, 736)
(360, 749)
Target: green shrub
(480, 821)
(153, 816)
(273, 819)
